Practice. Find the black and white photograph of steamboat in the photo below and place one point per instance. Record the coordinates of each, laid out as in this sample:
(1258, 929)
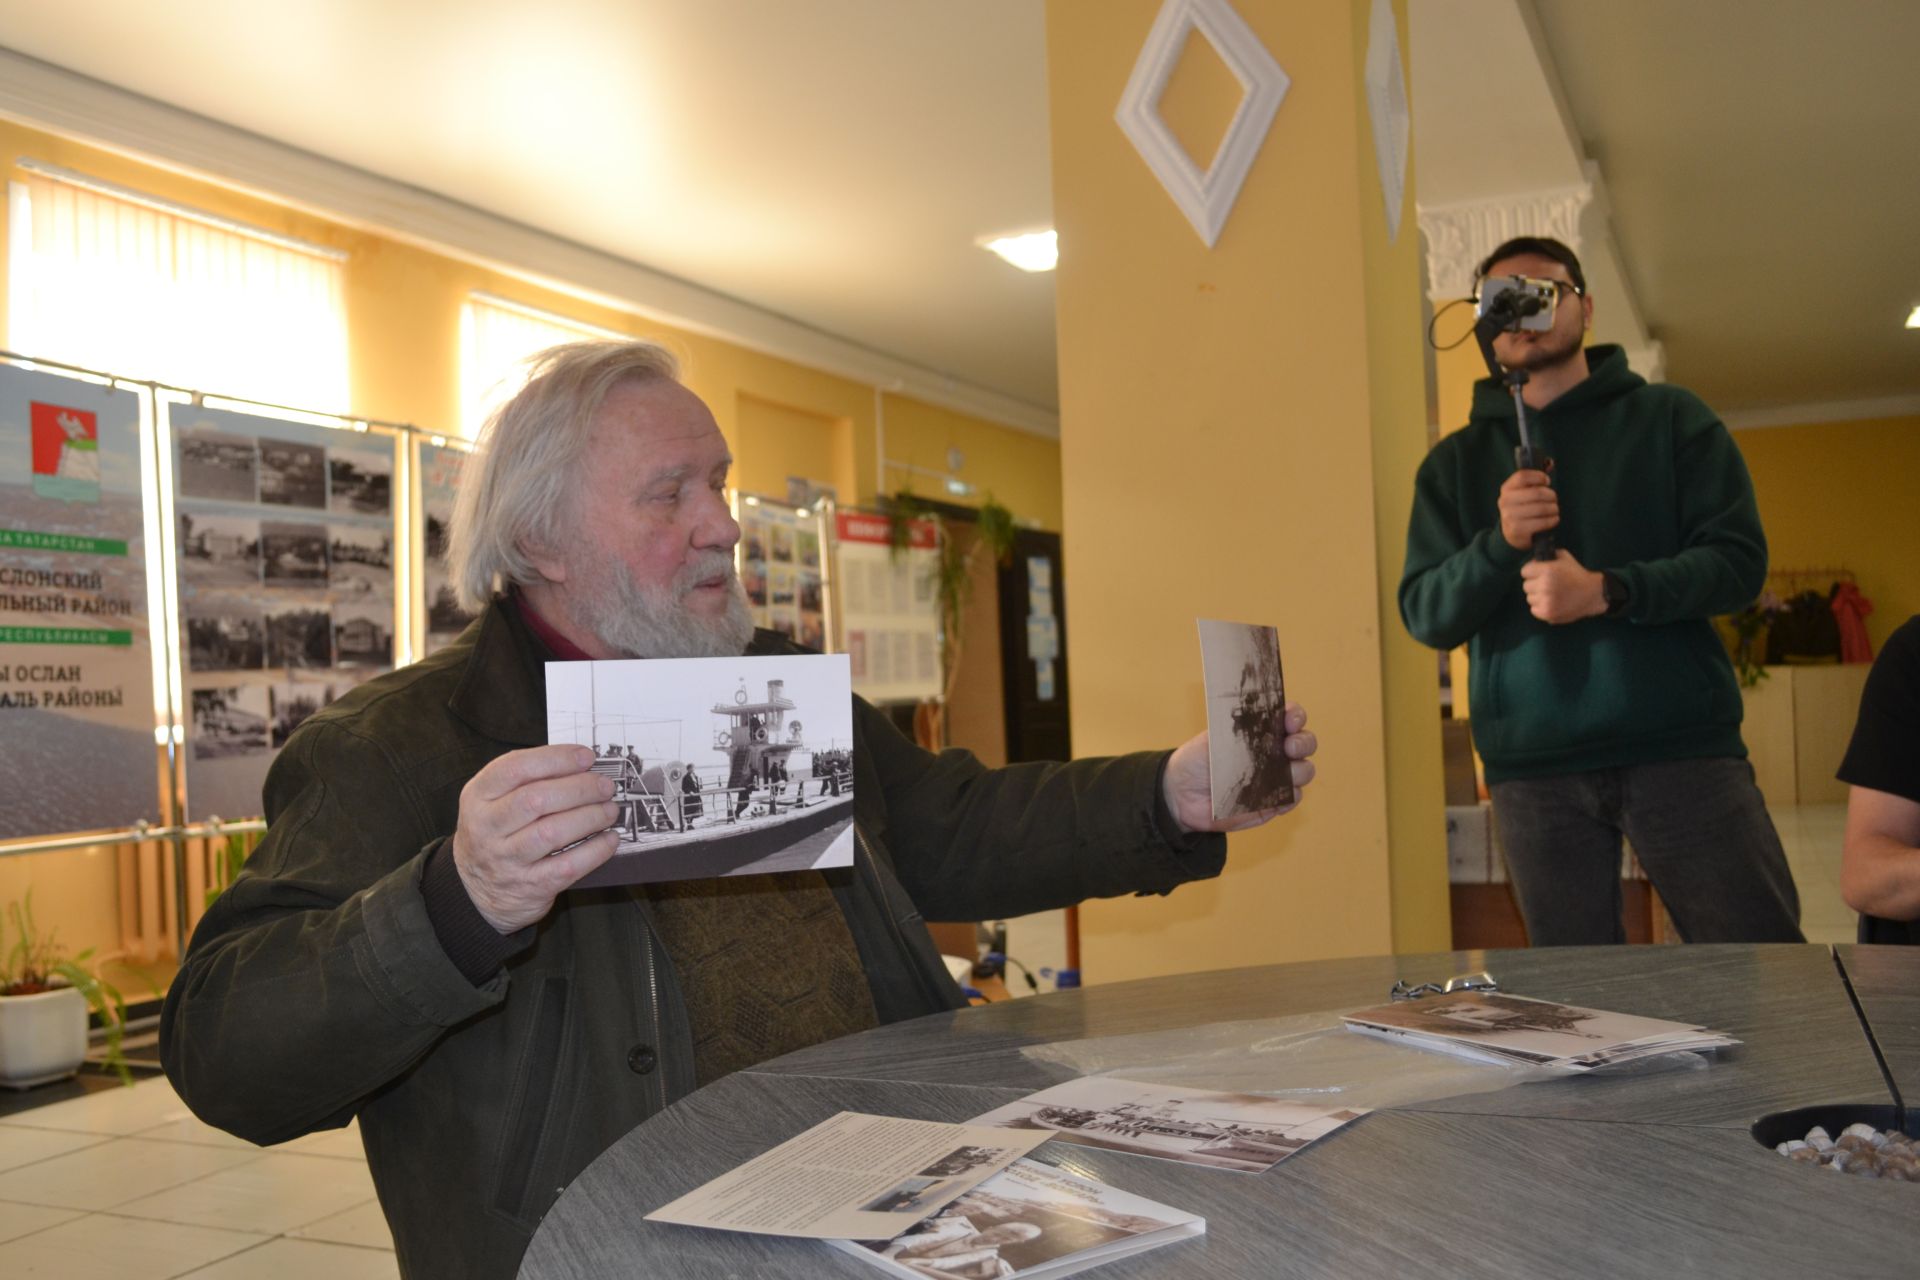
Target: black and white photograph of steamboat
(721, 766)
(1246, 718)
(1247, 1133)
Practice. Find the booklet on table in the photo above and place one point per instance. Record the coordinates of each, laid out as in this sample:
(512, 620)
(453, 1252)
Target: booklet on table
(1489, 1026)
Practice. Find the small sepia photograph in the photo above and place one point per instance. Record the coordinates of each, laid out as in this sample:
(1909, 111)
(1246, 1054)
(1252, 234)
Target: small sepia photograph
(721, 766)
(293, 474)
(217, 466)
(363, 634)
(225, 634)
(810, 591)
(218, 550)
(782, 588)
(781, 537)
(1244, 1132)
(360, 476)
(1246, 718)
(293, 555)
(909, 1195)
(293, 702)
(300, 637)
(753, 539)
(360, 561)
(229, 720)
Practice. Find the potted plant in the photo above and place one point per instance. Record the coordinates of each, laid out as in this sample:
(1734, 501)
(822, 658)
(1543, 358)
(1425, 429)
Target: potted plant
(45, 996)
(992, 540)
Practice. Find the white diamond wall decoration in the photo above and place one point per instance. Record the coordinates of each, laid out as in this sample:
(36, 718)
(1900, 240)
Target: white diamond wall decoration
(1387, 106)
(1206, 197)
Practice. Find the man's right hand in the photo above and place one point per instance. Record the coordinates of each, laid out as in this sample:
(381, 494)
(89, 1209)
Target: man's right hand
(515, 815)
(1528, 505)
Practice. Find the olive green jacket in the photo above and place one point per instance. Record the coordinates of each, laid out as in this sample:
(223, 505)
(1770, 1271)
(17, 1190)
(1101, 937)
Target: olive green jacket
(315, 989)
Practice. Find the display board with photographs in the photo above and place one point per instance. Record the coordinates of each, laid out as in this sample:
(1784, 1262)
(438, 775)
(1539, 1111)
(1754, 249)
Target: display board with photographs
(440, 468)
(782, 563)
(284, 544)
(76, 660)
(890, 619)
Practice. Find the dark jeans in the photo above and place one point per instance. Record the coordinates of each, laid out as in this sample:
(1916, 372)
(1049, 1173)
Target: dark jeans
(1699, 828)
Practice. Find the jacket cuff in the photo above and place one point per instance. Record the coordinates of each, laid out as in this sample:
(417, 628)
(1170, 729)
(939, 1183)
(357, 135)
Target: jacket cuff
(404, 959)
(1496, 548)
(476, 948)
(1199, 854)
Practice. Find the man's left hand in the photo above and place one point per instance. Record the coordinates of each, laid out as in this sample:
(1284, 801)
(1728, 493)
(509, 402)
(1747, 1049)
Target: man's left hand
(1189, 790)
(1562, 590)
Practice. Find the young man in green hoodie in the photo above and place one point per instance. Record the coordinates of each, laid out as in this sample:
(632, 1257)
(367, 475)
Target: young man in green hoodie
(1603, 703)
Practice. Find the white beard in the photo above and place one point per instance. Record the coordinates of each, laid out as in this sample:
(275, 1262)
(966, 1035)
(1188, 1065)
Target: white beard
(653, 622)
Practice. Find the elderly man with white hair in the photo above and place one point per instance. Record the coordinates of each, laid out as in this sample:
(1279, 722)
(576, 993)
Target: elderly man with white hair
(405, 946)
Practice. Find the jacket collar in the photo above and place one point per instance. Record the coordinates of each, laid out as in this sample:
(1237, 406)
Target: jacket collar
(502, 692)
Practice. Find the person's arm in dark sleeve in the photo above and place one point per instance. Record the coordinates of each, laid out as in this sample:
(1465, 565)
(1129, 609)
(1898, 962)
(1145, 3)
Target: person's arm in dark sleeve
(1721, 566)
(319, 977)
(973, 843)
(1455, 578)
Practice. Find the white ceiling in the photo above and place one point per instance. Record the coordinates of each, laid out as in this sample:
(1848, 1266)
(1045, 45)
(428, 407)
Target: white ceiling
(834, 161)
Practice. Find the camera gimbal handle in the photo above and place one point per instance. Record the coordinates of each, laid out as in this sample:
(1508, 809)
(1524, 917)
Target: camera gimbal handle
(1526, 455)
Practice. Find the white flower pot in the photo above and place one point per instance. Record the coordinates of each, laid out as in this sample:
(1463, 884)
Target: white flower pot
(42, 1037)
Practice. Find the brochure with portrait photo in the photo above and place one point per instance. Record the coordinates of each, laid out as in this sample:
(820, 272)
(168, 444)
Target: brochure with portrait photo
(721, 766)
(1027, 1222)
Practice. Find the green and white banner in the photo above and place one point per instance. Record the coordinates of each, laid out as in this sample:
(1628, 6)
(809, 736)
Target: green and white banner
(77, 748)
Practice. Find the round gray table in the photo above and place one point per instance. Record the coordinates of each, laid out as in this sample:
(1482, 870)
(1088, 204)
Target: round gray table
(1587, 1176)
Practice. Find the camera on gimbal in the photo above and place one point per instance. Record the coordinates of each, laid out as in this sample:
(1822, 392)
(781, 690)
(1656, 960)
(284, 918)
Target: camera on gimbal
(1515, 303)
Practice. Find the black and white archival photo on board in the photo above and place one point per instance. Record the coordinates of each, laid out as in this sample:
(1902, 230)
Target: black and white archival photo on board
(721, 766)
(1246, 718)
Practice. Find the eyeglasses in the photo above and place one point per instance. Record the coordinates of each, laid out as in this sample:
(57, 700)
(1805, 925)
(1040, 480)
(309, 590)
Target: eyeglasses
(1483, 981)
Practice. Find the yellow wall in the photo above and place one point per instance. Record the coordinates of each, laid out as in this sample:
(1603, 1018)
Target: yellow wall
(777, 442)
(1021, 472)
(1223, 416)
(403, 307)
(1844, 494)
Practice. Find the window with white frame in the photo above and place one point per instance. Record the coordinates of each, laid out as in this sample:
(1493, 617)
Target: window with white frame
(497, 337)
(114, 280)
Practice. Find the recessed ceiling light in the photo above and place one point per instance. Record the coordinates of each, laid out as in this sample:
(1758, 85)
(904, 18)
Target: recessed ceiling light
(1029, 251)
(1913, 319)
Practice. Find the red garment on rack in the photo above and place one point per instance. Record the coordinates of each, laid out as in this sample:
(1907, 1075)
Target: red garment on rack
(1850, 610)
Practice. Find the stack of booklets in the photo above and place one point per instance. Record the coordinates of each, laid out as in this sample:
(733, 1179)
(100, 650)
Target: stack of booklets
(1488, 1026)
(929, 1200)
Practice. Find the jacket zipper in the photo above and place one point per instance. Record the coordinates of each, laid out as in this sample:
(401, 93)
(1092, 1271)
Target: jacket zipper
(653, 1011)
(886, 907)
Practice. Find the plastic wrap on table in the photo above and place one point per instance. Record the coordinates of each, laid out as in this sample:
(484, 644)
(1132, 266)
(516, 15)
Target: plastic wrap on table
(1309, 1057)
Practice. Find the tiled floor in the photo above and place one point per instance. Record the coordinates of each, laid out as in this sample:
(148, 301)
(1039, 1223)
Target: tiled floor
(126, 1182)
(1811, 835)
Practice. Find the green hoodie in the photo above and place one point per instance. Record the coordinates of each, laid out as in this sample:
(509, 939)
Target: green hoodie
(1652, 487)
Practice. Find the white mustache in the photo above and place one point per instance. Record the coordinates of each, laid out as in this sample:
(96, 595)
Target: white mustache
(713, 565)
